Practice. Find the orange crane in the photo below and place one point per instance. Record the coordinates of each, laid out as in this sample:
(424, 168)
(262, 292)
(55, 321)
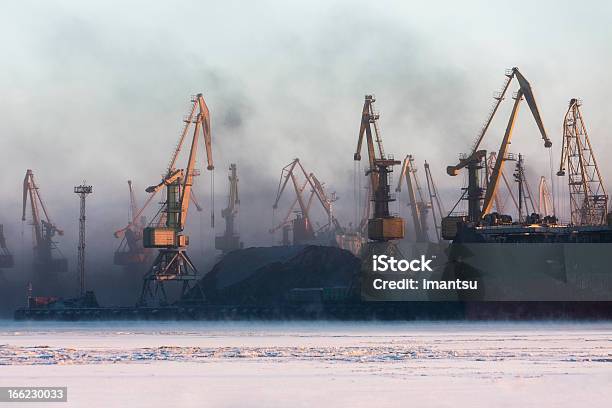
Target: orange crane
(6, 258)
(132, 254)
(588, 197)
(382, 226)
(230, 240)
(47, 257)
(172, 262)
(131, 251)
(416, 200)
(473, 161)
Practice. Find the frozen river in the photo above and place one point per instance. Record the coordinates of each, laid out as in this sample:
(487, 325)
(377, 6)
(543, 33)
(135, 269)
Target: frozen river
(225, 364)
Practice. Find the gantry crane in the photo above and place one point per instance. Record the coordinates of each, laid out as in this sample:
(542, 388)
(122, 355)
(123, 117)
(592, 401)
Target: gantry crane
(47, 257)
(437, 210)
(382, 226)
(302, 227)
(230, 240)
(474, 159)
(419, 206)
(131, 251)
(172, 262)
(588, 198)
(6, 258)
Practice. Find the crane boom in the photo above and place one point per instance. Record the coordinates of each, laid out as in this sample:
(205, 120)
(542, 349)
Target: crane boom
(189, 119)
(437, 211)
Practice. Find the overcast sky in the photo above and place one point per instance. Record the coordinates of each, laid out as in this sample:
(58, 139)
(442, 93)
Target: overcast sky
(97, 91)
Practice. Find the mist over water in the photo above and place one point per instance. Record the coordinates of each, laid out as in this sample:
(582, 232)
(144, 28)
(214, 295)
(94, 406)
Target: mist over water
(97, 92)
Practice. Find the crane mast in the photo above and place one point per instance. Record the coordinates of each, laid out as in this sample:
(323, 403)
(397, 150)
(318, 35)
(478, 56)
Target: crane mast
(588, 197)
(416, 201)
(172, 262)
(473, 161)
(382, 226)
(44, 229)
(230, 240)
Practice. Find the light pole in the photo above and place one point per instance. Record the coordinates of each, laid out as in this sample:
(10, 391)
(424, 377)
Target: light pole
(82, 190)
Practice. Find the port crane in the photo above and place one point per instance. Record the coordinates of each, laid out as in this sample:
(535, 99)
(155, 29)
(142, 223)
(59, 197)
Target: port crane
(473, 160)
(437, 208)
(588, 197)
(47, 257)
(302, 226)
(172, 262)
(382, 226)
(131, 251)
(230, 240)
(419, 206)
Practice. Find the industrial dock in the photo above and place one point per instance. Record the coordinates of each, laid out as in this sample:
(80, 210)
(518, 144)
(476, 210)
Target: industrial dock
(320, 267)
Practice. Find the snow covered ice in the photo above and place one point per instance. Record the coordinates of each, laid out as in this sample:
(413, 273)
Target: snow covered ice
(195, 364)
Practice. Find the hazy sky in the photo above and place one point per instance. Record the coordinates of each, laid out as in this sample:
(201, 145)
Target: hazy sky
(97, 91)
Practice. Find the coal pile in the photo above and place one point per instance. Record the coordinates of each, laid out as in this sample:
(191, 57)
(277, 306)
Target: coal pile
(257, 276)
